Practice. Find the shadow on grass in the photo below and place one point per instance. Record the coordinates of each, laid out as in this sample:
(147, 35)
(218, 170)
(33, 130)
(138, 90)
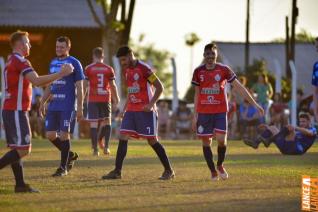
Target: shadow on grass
(241, 159)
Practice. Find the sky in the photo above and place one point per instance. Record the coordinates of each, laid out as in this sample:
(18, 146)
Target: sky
(166, 22)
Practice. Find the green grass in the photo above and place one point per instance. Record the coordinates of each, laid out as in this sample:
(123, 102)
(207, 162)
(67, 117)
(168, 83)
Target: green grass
(260, 180)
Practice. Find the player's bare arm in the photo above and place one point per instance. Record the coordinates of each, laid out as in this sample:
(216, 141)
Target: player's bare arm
(159, 89)
(37, 80)
(113, 89)
(46, 96)
(79, 96)
(85, 87)
(243, 92)
(305, 131)
(195, 115)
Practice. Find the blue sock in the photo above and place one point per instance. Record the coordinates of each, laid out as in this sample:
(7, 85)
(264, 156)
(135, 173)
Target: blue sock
(207, 152)
(17, 168)
(94, 138)
(221, 155)
(121, 154)
(9, 158)
(108, 132)
(161, 153)
(65, 153)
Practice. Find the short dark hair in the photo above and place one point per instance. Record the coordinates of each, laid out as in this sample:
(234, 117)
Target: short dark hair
(210, 46)
(304, 116)
(17, 36)
(123, 51)
(98, 52)
(64, 39)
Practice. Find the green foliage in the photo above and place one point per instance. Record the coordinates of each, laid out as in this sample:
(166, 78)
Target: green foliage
(191, 39)
(259, 67)
(159, 59)
(302, 36)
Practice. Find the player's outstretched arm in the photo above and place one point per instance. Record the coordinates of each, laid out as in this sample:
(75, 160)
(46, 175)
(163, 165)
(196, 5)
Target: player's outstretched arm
(114, 92)
(243, 92)
(37, 80)
(305, 131)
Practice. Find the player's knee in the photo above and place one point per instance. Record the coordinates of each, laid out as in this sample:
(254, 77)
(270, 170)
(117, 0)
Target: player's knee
(51, 136)
(93, 124)
(206, 142)
(65, 136)
(123, 137)
(106, 122)
(24, 152)
(152, 142)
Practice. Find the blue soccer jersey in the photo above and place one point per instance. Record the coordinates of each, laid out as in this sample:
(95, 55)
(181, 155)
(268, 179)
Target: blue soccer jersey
(63, 91)
(314, 80)
(305, 142)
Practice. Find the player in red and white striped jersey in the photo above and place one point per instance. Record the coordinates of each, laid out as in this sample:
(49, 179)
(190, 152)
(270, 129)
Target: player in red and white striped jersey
(19, 76)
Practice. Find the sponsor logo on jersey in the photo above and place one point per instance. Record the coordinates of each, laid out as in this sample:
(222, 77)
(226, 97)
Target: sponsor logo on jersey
(136, 76)
(217, 77)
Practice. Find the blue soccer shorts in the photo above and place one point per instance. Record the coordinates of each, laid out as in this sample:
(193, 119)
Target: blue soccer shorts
(98, 111)
(140, 124)
(60, 121)
(210, 124)
(17, 129)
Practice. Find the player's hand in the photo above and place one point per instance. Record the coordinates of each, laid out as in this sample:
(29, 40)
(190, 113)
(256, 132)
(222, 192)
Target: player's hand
(148, 107)
(260, 110)
(121, 114)
(66, 69)
(290, 128)
(79, 115)
(194, 123)
(42, 110)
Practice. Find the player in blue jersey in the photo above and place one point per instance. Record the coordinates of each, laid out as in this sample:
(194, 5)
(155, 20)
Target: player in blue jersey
(289, 140)
(314, 82)
(62, 109)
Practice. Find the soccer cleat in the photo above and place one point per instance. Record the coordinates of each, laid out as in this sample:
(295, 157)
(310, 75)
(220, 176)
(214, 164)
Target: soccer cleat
(250, 143)
(214, 176)
(112, 175)
(106, 151)
(167, 175)
(60, 173)
(25, 189)
(95, 153)
(267, 142)
(222, 172)
(101, 143)
(71, 161)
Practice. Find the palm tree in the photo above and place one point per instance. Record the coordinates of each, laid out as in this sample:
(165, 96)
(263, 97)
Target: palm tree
(191, 39)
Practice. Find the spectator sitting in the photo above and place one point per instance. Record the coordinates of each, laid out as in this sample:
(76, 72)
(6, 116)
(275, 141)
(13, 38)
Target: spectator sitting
(231, 117)
(249, 119)
(36, 122)
(278, 114)
(163, 118)
(182, 120)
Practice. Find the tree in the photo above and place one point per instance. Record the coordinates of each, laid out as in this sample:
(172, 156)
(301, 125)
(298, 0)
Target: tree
(114, 26)
(158, 59)
(301, 37)
(191, 39)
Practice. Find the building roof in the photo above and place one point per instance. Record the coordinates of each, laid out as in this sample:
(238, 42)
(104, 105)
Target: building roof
(274, 55)
(52, 13)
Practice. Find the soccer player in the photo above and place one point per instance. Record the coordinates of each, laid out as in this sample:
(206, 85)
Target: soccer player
(315, 82)
(18, 77)
(140, 115)
(62, 109)
(290, 140)
(211, 106)
(101, 87)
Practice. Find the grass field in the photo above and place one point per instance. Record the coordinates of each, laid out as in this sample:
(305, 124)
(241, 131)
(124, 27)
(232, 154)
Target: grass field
(260, 180)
